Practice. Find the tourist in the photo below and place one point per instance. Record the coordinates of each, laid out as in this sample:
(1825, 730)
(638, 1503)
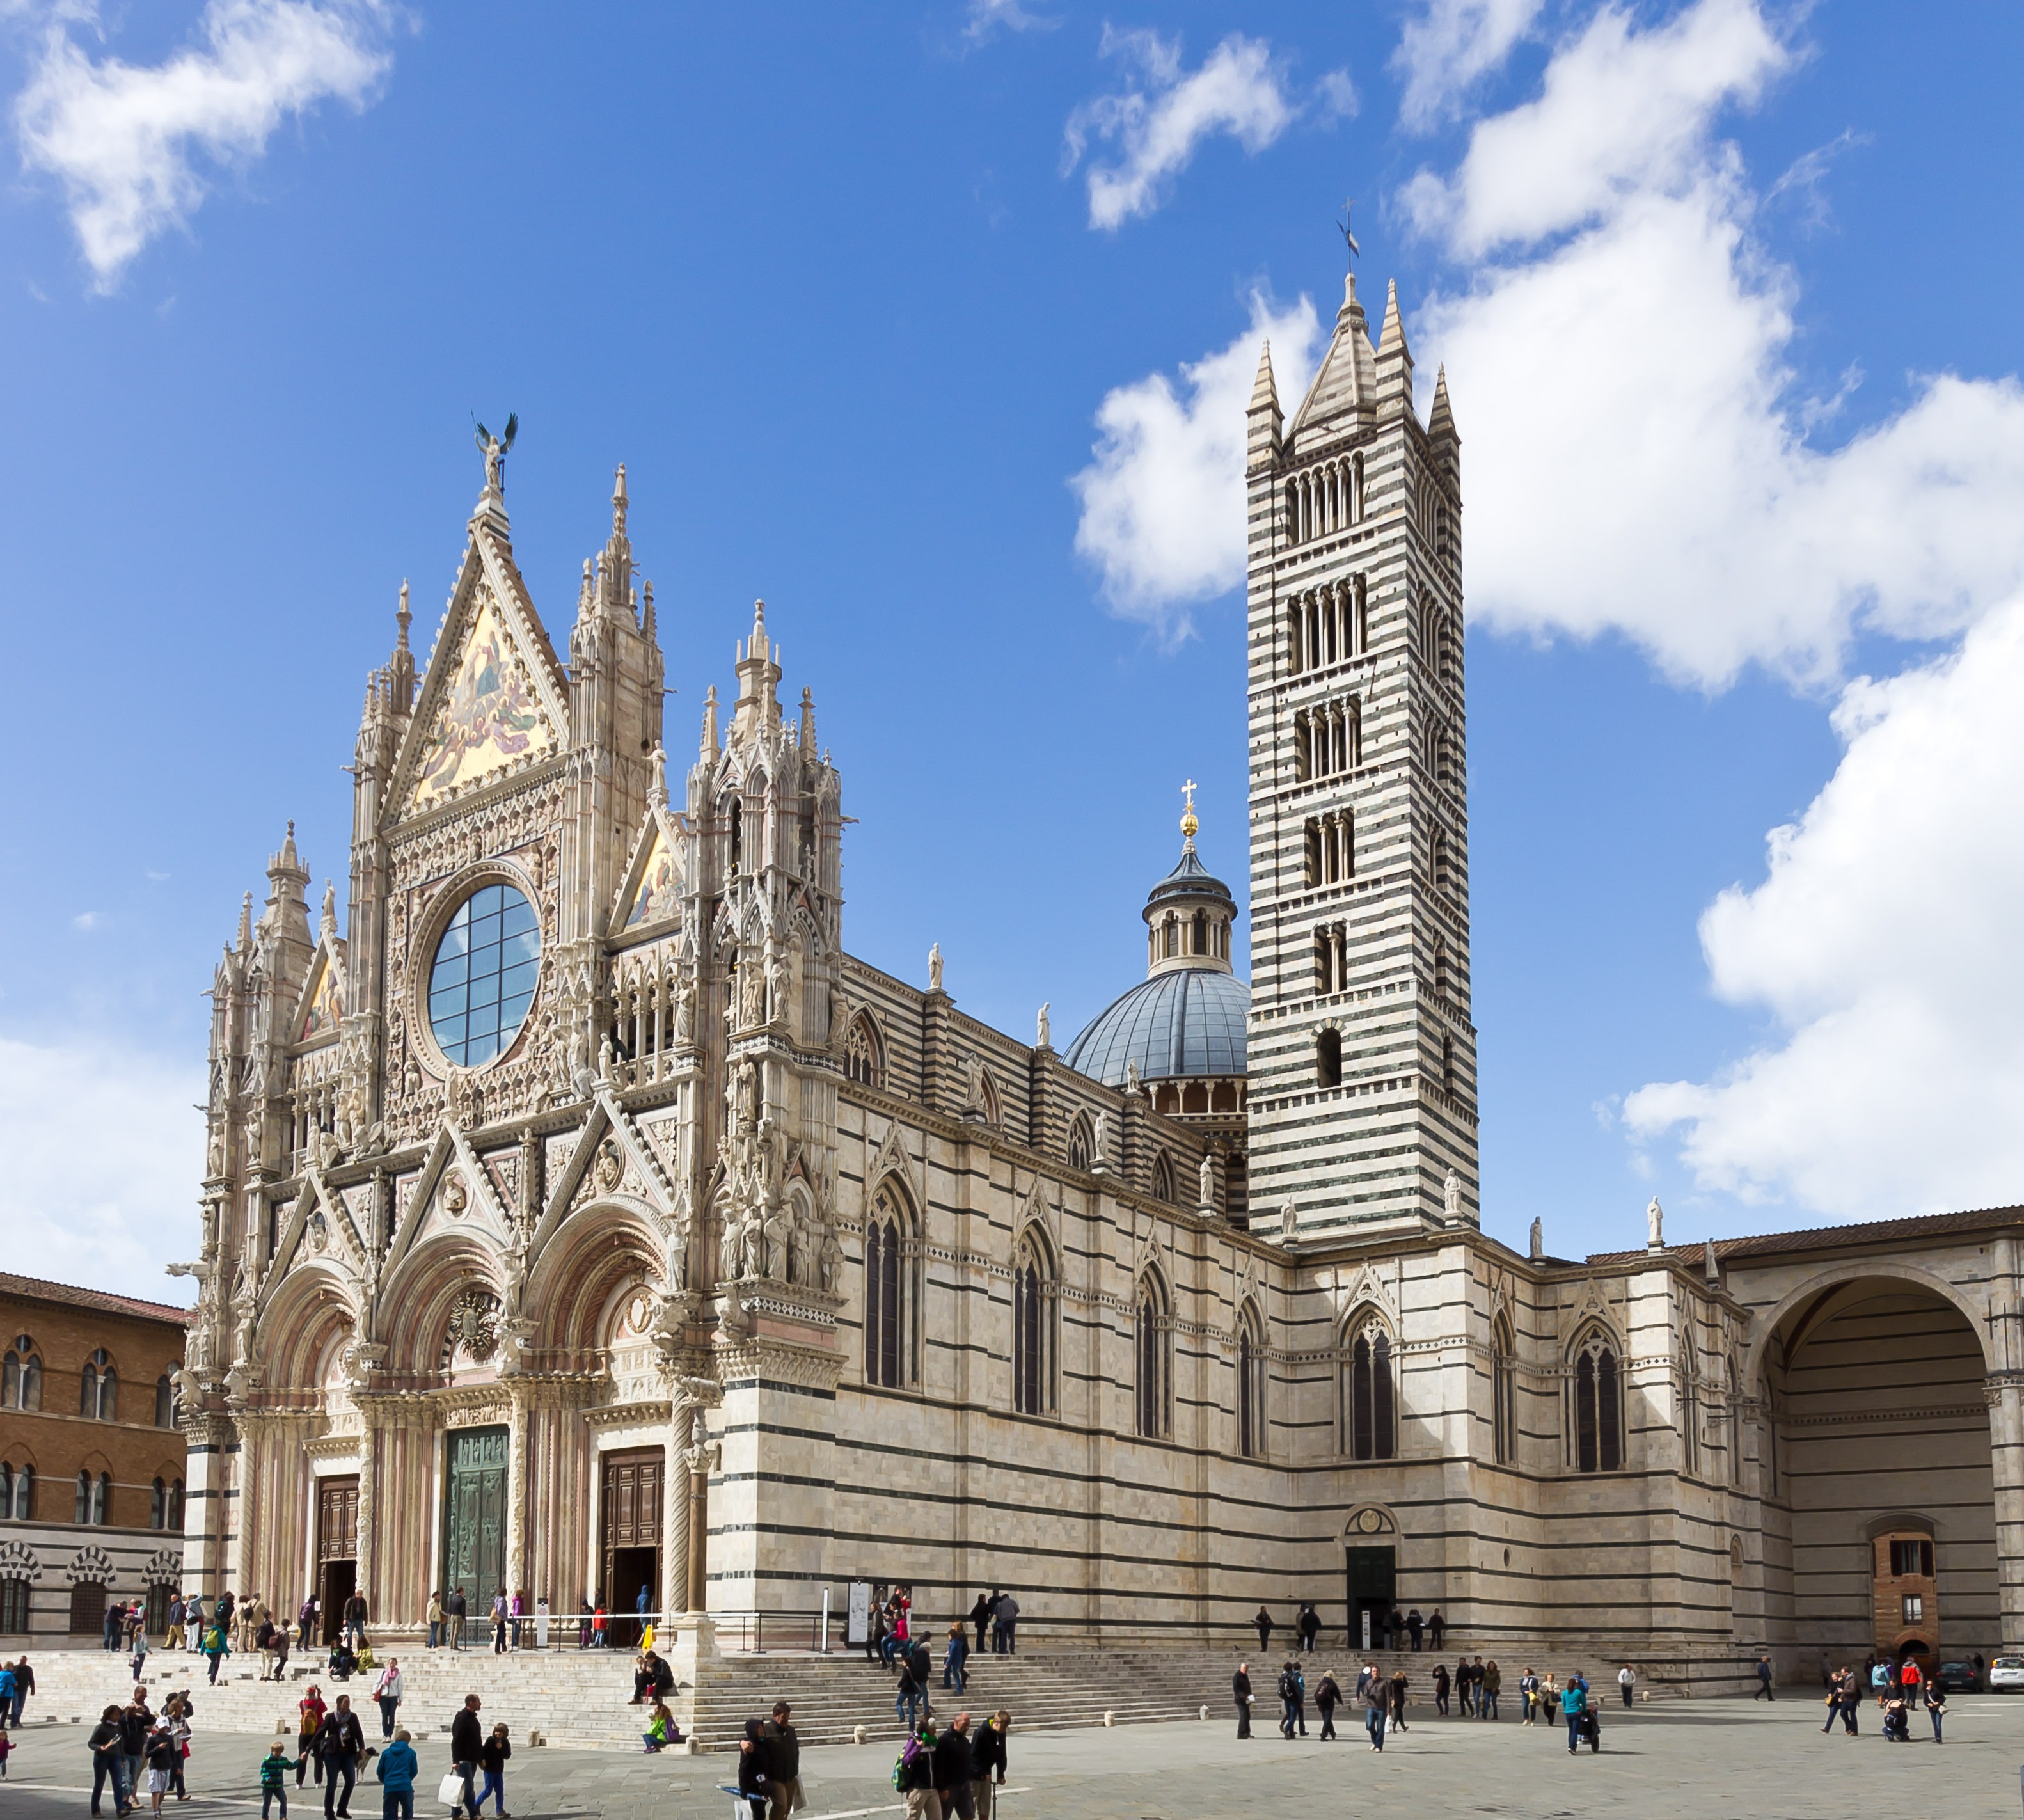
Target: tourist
(661, 1731)
(1897, 1719)
(519, 1613)
(193, 1623)
(108, 1760)
(6, 1747)
(172, 1635)
(913, 1694)
(343, 1664)
(1879, 1682)
(952, 1776)
(456, 1606)
(280, 1650)
(499, 1620)
(135, 1723)
(1377, 1707)
(1908, 1678)
(387, 1691)
(1399, 1698)
(754, 1785)
(1489, 1682)
(952, 1661)
(1264, 1621)
(176, 1711)
(1851, 1701)
(263, 1641)
(1441, 1689)
(1008, 1623)
(434, 1616)
(1414, 1625)
(1292, 1699)
(138, 1660)
(162, 1750)
(273, 1766)
(1573, 1705)
(783, 1759)
(1528, 1696)
(1327, 1694)
(979, 1615)
(221, 1617)
(492, 1758)
(1763, 1681)
(305, 1618)
(874, 1635)
(1465, 1683)
(24, 1684)
(1437, 1628)
(309, 1712)
(466, 1742)
(600, 1628)
(1240, 1691)
(650, 1675)
(6, 1695)
(1310, 1627)
(354, 1620)
(1626, 1683)
(115, 1619)
(398, 1764)
(1936, 1706)
(341, 1745)
(987, 1761)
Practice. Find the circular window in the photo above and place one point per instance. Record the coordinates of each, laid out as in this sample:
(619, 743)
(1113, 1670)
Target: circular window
(482, 979)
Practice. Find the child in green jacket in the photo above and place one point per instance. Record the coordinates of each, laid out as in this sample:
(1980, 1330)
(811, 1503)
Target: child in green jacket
(274, 1766)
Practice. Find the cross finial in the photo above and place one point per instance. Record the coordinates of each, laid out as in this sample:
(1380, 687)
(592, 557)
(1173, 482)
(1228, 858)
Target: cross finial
(1349, 239)
(1189, 824)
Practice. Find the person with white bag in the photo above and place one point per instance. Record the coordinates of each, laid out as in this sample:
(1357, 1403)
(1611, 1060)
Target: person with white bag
(467, 1740)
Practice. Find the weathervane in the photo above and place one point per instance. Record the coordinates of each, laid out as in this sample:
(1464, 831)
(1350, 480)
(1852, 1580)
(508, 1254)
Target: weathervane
(1348, 239)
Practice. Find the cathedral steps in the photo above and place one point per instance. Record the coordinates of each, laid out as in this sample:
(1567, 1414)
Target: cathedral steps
(580, 1698)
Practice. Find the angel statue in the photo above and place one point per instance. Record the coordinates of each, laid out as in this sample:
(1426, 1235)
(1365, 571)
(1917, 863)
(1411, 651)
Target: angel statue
(495, 448)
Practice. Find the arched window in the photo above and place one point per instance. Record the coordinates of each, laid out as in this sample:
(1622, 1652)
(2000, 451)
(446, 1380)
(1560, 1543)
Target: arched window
(1328, 1058)
(6, 1490)
(1201, 943)
(1370, 1416)
(1170, 937)
(14, 1607)
(21, 1376)
(1250, 1428)
(94, 1497)
(1734, 1380)
(1442, 987)
(735, 862)
(1504, 1393)
(889, 1299)
(158, 1506)
(1163, 1177)
(1355, 488)
(165, 1402)
(1033, 1330)
(1598, 1407)
(176, 1505)
(863, 1056)
(1082, 1144)
(1152, 1380)
(17, 1492)
(98, 1389)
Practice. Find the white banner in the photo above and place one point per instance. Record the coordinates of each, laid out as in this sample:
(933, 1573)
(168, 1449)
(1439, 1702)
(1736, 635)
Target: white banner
(857, 1623)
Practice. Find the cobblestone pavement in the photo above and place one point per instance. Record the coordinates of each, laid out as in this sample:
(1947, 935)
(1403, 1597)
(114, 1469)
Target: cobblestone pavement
(1705, 1762)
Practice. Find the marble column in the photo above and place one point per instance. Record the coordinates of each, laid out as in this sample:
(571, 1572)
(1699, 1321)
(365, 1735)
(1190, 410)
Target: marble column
(517, 1468)
(369, 1449)
(2004, 1393)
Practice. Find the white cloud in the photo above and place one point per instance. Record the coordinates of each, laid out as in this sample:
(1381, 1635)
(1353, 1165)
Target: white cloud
(104, 1153)
(1448, 47)
(1636, 460)
(1883, 943)
(122, 139)
(1163, 501)
(1162, 115)
(986, 18)
(87, 920)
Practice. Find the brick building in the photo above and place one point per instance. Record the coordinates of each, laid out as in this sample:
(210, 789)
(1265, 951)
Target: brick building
(91, 1458)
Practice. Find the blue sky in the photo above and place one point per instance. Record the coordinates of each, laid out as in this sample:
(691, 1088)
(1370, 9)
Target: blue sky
(919, 322)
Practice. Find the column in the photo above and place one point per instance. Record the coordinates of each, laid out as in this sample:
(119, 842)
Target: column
(2005, 1395)
(517, 1470)
(675, 1510)
(368, 1448)
(241, 1515)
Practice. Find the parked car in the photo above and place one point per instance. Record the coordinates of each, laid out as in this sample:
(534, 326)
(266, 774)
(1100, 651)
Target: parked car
(1958, 1676)
(2006, 1675)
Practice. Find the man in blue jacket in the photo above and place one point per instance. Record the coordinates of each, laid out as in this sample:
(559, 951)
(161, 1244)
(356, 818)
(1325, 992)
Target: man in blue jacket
(398, 1765)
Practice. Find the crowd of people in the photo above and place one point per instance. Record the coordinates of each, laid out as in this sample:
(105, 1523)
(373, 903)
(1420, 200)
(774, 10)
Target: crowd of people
(1382, 1698)
(1898, 1688)
(1389, 1629)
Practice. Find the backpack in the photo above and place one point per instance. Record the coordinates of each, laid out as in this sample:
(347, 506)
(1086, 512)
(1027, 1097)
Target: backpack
(1289, 1689)
(912, 1764)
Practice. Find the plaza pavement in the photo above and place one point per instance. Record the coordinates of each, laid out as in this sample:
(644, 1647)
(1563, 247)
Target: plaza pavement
(1674, 1761)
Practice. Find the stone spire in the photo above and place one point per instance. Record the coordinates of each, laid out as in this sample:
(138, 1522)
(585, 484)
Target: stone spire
(1395, 359)
(710, 743)
(1262, 416)
(1346, 386)
(758, 710)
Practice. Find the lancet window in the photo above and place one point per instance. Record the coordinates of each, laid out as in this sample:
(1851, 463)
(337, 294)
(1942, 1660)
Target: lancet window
(1503, 1392)
(21, 1376)
(1034, 1303)
(1324, 499)
(863, 1053)
(1330, 857)
(1596, 1418)
(98, 1389)
(1153, 1350)
(1369, 1392)
(1327, 624)
(1251, 1411)
(1328, 740)
(891, 1293)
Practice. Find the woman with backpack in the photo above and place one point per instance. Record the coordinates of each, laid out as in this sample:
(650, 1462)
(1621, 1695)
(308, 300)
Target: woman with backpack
(1328, 1695)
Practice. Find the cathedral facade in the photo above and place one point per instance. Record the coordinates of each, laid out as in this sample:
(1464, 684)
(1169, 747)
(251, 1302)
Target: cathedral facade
(581, 1215)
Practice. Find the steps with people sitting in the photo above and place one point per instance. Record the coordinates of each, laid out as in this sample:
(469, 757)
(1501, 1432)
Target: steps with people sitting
(582, 1697)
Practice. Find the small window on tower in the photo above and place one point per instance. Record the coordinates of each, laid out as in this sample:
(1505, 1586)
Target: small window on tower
(1328, 1058)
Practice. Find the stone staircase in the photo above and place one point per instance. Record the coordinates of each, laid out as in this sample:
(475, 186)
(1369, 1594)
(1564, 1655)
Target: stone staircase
(580, 1698)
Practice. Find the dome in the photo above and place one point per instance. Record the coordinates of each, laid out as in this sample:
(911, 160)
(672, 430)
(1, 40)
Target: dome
(1181, 1021)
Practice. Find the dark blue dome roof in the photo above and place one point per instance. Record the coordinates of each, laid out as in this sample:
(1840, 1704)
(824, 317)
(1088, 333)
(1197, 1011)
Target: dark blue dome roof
(1183, 1020)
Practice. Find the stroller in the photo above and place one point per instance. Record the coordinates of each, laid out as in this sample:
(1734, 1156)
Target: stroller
(1589, 1726)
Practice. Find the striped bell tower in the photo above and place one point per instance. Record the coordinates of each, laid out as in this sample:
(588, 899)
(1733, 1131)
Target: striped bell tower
(1362, 1055)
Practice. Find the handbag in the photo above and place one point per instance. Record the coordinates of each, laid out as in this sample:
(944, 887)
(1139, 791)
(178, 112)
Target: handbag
(450, 1790)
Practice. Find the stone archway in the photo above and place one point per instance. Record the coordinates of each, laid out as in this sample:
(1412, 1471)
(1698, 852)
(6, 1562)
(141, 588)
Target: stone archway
(1879, 1379)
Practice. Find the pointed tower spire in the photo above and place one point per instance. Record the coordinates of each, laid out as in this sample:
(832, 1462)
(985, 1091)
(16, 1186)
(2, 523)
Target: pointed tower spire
(246, 926)
(807, 734)
(1343, 387)
(1264, 391)
(1262, 416)
(648, 626)
(1395, 359)
(1392, 336)
(709, 747)
(756, 709)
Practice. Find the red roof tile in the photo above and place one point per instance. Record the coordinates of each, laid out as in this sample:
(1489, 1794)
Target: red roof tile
(35, 1289)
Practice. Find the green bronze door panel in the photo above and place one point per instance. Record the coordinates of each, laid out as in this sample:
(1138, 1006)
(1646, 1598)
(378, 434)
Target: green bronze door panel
(475, 1516)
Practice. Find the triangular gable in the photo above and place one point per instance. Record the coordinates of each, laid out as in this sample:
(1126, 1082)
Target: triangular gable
(654, 879)
(453, 1193)
(322, 1009)
(642, 1177)
(492, 702)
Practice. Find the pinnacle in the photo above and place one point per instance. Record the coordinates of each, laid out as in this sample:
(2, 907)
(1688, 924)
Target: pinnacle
(1264, 390)
(1391, 337)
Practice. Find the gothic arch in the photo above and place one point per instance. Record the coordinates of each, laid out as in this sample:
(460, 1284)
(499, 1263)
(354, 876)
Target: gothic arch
(892, 1283)
(415, 1303)
(1854, 1271)
(864, 1050)
(309, 1307)
(600, 1246)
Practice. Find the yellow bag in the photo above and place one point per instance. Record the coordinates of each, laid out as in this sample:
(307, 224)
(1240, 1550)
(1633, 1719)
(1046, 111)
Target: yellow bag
(646, 1638)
